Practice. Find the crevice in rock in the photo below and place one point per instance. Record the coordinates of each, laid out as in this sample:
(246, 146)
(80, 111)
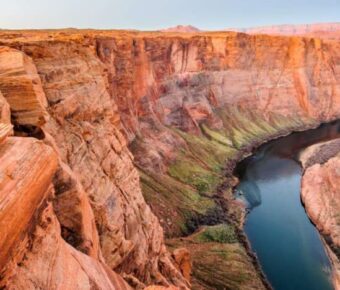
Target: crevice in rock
(29, 131)
(70, 225)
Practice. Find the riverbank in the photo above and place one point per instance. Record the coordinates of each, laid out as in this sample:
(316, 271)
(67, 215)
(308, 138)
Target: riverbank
(307, 140)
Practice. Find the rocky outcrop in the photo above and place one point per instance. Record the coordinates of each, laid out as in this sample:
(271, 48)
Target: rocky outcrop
(21, 86)
(320, 195)
(27, 167)
(51, 263)
(183, 262)
(322, 30)
(33, 253)
(5, 113)
(5, 130)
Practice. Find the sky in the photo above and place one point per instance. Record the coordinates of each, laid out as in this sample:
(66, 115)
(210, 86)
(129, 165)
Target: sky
(157, 14)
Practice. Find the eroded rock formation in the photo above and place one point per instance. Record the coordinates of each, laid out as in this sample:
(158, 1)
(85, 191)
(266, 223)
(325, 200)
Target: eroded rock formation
(93, 217)
(321, 195)
(21, 86)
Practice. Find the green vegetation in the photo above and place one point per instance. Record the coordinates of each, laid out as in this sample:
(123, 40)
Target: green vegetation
(246, 127)
(185, 195)
(189, 172)
(201, 163)
(222, 233)
(218, 264)
(187, 191)
(174, 200)
(216, 136)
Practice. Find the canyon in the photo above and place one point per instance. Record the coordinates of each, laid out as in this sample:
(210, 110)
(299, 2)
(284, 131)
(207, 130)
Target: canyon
(289, 247)
(118, 149)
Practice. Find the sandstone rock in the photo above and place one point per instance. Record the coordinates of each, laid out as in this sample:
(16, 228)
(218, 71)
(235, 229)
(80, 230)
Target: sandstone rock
(85, 127)
(161, 288)
(5, 131)
(26, 169)
(21, 86)
(34, 255)
(319, 153)
(321, 197)
(72, 207)
(187, 82)
(183, 261)
(5, 113)
(320, 185)
(51, 263)
(74, 213)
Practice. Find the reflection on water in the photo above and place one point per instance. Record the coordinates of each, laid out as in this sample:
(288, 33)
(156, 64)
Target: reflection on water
(288, 246)
(249, 192)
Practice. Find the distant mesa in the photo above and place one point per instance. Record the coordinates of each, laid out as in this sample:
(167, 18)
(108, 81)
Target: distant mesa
(182, 28)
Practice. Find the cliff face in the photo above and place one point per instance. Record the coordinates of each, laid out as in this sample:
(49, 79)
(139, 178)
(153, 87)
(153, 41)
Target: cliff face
(180, 80)
(187, 106)
(34, 255)
(85, 127)
(94, 218)
(21, 86)
(320, 195)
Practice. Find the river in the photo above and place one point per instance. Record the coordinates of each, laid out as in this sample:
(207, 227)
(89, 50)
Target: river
(288, 246)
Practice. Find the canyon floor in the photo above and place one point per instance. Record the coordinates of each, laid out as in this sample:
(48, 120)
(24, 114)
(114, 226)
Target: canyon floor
(117, 152)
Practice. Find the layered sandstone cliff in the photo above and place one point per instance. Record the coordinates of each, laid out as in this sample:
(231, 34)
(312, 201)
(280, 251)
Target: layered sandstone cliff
(188, 106)
(33, 253)
(94, 218)
(321, 195)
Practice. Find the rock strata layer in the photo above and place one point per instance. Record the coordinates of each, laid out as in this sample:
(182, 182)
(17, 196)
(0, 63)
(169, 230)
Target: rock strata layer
(321, 195)
(87, 216)
(21, 86)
